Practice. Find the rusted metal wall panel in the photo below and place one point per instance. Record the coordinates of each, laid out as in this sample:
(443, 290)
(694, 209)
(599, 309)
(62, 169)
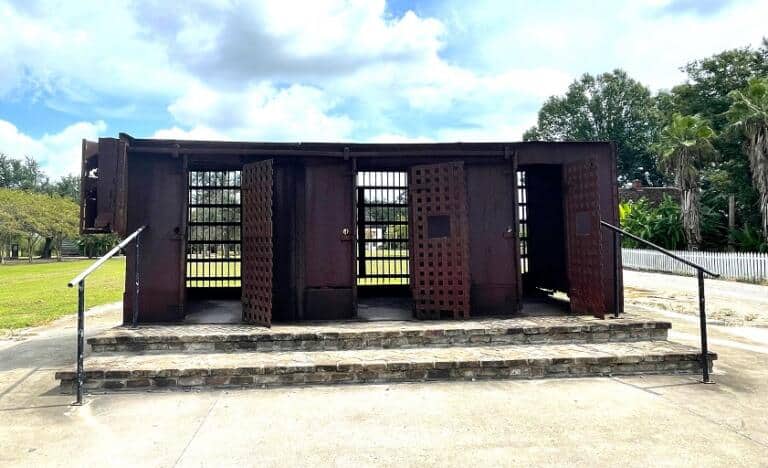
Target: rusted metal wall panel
(582, 214)
(492, 239)
(156, 197)
(89, 187)
(111, 186)
(329, 253)
(257, 189)
(440, 278)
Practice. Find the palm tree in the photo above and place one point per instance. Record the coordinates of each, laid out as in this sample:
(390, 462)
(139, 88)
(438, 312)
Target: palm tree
(685, 144)
(749, 113)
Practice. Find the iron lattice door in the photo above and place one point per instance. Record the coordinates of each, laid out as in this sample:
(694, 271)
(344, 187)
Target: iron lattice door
(582, 213)
(439, 241)
(257, 188)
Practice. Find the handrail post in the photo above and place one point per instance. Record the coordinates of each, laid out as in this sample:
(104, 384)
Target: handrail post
(618, 232)
(616, 273)
(79, 280)
(80, 340)
(703, 326)
(135, 320)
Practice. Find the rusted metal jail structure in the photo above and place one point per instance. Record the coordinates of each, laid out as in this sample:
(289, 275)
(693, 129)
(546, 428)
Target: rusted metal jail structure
(307, 231)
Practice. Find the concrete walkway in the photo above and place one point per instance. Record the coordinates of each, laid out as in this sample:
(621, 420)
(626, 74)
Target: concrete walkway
(633, 421)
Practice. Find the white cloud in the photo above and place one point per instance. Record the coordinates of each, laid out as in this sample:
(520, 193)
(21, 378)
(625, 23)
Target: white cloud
(58, 153)
(236, 43)
(81, 51)
(326, 70)
(261, 112)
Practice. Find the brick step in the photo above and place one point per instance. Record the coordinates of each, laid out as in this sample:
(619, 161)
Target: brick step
(332, 336)
(184, 370)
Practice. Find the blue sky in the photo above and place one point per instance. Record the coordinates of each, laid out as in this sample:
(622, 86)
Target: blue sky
(328, 70)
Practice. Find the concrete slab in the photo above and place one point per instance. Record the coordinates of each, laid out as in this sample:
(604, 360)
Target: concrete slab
(633, 421)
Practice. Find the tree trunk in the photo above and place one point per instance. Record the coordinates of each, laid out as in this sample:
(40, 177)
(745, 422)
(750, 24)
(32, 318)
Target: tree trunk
(59, 243)
(757, 148)
(29, 247)
(691, 209)
(47, 248)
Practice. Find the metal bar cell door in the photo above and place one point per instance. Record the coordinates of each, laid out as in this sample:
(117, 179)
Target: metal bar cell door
(257, 193)
(584, 246)
(439, 241)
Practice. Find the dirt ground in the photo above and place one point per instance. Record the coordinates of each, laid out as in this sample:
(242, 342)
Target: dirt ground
(727, 302)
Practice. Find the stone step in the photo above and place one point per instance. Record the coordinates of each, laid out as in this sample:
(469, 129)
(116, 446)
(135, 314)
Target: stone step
(185, 370)
(378, 335)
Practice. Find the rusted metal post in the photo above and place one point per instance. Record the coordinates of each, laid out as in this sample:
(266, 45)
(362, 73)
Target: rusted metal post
(80, 340)
(136, 283)
(616, 273)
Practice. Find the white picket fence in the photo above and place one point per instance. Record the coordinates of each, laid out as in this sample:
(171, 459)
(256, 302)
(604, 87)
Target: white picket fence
(733, 265)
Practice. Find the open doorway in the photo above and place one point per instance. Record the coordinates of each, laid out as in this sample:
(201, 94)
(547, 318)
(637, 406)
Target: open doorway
(382, 250)
(542, 237)
(213, 252)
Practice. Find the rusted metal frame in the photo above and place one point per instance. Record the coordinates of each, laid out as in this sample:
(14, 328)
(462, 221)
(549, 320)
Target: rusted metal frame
(213, 205)
(399, 239)
(361, 258)
(511, 158)
(215, 260)
(211, 223)
(233, 242)
(184, 234)
(385, 223)
(83, 177)
(400, 152)
(354, 231)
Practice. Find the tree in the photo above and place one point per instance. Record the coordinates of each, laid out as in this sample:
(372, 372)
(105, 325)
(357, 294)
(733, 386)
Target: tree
(36, 216)
(749, 114)
(710, 80)
(18, 174)
(63, 216)
(68, 187)
(684, 146)
(611, 107)
(10, 228)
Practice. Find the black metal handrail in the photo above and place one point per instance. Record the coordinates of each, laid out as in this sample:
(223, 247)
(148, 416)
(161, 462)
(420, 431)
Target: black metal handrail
(700, 271)
(79, 280)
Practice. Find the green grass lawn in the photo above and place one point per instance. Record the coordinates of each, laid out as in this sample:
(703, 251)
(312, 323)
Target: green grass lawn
(36, 294)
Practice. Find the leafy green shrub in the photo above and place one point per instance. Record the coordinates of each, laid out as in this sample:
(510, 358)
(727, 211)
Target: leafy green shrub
(96, 245)
(659, 224)
(749, 239)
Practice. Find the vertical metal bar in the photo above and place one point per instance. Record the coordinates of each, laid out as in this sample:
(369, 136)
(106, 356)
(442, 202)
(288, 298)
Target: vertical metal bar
(80, 340)
(703, 325)
(136, 283)
(616, 273)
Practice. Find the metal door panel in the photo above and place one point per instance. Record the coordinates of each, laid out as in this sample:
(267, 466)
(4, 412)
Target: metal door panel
(257, 191)
(582, 212)
(440, 280)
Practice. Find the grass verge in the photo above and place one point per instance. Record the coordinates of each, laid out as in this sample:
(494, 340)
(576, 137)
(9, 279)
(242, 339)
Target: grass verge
(37, 294)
